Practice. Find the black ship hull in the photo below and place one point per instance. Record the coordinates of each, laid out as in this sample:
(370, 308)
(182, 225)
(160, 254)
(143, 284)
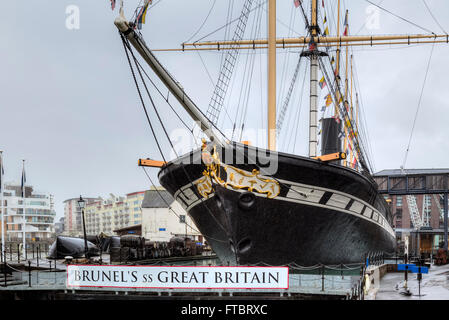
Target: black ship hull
(305, 212)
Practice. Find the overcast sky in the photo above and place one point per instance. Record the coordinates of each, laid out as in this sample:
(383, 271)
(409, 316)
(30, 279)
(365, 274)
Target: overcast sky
(70, 108)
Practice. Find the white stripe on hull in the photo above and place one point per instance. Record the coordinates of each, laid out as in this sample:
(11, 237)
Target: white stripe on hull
(303, 194)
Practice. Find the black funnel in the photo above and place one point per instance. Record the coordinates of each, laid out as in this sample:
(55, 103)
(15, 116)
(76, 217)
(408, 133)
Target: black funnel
(330, 142)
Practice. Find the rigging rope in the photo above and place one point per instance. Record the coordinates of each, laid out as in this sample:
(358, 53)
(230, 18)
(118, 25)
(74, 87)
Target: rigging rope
(346, 118)
(204, 22)
(221, 88)
(173, 211)
(434, 19)
(417, 109)
(397, 16)
(298, 113)
(125, 44)
(165, 98)
(284, 108)
(231, 22)
(203, 201)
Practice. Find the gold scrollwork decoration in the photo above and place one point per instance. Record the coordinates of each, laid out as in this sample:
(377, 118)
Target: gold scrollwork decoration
(236, 178)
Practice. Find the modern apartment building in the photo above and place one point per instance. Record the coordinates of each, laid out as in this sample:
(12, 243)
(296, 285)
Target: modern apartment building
(73, 223)
(59, 226)
(39, 213)
(115, 212)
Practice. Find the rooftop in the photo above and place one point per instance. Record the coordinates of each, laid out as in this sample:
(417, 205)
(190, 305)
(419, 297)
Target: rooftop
(157, 199)
(398, 172)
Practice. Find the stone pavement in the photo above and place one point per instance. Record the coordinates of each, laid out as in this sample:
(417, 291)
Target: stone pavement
(434, 285)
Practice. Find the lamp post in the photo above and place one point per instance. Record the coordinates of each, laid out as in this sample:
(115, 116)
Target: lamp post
(81, 204)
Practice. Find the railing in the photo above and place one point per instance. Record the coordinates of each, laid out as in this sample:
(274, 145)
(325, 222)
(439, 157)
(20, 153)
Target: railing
(345, 280)
(14, 252)
(45, 274)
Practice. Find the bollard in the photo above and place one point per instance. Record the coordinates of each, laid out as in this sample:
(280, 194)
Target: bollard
(55, 272)
(37, 256)
(322, 278)
(29, 273)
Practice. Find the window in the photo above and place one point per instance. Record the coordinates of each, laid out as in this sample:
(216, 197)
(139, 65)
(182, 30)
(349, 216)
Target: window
(398, 218)
(428, 200)
(37, 203)
(399, 201)
(182, 218)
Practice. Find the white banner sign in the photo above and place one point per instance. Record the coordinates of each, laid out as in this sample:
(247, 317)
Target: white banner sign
(177, 277)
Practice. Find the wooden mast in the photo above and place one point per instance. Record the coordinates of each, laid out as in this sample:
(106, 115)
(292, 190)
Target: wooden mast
(271, 75)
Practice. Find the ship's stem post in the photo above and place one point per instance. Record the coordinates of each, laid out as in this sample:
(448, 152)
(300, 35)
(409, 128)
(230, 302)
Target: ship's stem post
(271, 75)
(313, 114)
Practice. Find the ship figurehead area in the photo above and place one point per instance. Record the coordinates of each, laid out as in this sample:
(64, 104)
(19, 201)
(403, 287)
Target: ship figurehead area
(307, 212)
(235, 178)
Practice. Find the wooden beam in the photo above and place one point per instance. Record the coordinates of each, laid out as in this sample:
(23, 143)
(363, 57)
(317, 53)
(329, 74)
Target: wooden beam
(317, 39)
(371, 44)
(331, 157)
(151, 163)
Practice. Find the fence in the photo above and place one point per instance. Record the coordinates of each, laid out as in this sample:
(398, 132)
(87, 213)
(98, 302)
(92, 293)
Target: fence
(342, 280)
(14, 252)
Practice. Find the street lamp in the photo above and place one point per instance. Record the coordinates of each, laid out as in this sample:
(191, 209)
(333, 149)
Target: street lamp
(82, 204)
